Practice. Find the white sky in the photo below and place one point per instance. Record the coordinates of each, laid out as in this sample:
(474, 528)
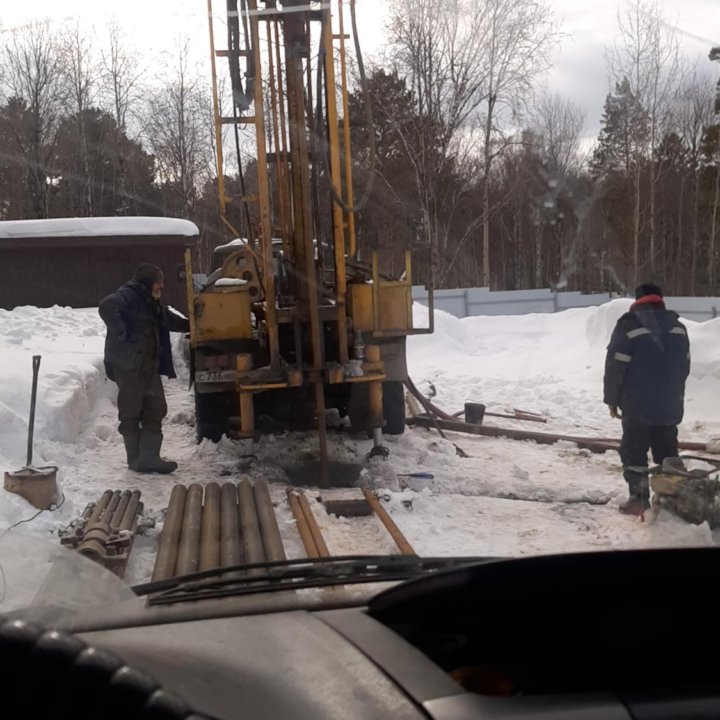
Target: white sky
(579, 72)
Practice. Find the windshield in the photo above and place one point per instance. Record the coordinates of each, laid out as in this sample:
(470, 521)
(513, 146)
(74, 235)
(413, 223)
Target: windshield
(510, 326)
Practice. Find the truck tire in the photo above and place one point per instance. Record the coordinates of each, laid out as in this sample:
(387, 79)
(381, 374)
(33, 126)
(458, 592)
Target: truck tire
(394, 407)
(212, 411)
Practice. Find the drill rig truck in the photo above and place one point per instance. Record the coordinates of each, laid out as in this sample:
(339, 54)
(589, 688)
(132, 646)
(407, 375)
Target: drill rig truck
(289, 322)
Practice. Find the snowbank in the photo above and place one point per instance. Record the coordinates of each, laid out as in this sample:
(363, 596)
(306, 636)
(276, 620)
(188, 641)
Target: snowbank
(71, 378)
(549, 363)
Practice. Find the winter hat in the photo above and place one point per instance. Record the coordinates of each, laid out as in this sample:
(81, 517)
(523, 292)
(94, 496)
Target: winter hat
(648, 289)
(147, 274)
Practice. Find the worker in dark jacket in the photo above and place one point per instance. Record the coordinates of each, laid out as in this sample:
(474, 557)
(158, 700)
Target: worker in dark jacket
(647, 363)
(137, 353)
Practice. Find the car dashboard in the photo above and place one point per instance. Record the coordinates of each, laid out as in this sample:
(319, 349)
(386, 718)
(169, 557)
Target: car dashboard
(618, 635)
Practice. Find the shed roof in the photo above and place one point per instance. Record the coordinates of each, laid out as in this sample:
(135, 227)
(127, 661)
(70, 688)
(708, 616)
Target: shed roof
(87, 231)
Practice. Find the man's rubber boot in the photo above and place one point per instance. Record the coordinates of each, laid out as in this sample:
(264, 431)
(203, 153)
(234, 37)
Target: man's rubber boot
(150, 460)
(639, 501)
(635, 505)
(132, 449)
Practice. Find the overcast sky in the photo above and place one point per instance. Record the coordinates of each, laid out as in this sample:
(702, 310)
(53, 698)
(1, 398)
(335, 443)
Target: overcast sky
(579, 72)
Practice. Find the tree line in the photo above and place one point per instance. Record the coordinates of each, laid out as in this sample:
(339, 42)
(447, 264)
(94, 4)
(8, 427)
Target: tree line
(87, 130)
(486, 178)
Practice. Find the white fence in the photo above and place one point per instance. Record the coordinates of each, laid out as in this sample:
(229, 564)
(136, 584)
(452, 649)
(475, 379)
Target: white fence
(463, 302)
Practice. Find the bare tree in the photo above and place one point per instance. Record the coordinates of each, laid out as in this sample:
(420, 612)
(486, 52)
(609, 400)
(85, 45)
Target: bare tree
(647, 55)
(121, 78)
(177, 129)
(30, 63)
(80, 73)
(558, 124)
(519, 39)
(438, 46)
(693, 113)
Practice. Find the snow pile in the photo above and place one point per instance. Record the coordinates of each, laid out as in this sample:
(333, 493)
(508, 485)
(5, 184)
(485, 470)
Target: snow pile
(549, 363)
(71, 378)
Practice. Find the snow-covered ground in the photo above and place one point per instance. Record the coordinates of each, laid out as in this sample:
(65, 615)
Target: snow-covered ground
(506, 498)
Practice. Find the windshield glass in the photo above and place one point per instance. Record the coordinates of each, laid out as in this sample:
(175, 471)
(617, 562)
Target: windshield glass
(464, 303)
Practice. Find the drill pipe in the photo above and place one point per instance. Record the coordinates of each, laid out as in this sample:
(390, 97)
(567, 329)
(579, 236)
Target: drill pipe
(230, 550)
(109, 510)
(249, 526)
(272, 542)
(120, 509)
(395, 532)
(168, 549)
(189, 547)
(100, 506)
(313, 526)
(210, 537)
(306, 536)
(131, 512)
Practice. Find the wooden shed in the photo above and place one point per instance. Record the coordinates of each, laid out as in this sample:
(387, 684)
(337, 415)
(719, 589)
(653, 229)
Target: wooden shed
(75, 262)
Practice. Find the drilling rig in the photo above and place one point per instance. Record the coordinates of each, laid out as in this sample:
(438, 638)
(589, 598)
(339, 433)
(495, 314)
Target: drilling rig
(289, 322)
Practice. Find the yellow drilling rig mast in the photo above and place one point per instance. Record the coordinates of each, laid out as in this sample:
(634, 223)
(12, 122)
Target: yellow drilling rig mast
(288, 323)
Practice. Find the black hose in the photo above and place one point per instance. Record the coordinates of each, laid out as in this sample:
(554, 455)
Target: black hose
(368, 116)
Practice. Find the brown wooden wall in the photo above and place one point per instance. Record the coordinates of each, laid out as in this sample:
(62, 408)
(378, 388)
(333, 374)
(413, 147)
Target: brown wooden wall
(81, 276)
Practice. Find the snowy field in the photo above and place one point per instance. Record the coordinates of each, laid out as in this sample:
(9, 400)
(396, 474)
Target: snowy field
(506, 498)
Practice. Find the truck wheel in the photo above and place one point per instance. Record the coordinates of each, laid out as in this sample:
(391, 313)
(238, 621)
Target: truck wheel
(394, 407)
(211, 414)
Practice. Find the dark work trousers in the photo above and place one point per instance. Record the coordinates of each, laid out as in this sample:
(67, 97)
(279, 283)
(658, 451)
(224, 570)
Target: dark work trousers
(637, 439)
(141, 401)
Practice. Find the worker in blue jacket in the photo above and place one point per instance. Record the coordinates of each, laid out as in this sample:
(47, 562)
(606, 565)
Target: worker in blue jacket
(647, 364)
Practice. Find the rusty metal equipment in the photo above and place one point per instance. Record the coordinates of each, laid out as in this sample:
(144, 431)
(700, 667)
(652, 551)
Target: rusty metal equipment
(309, 529)
(289, 322)
(215, 527)
(38, 485)
(106, 529)
(395, 532)
(692, 495)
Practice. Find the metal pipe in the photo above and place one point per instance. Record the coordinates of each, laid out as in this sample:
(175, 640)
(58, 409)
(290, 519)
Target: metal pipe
(210, 535)
(306, 536)
(275, 134)
(100, 506)
(335, 180)
(110, 509)
(269, 530)
(230, 550)
(313, 525)
(284, 178)
(217, 121)
(33, 403)
(595, 445)
(247, 414)
(189, 547)
(119, 513)
(375, 390)
(249, 526)
(268, 280)
(346, 135)
(168, 548)
(400, 540)
(323, 479)
(131, 511)
(304, 226)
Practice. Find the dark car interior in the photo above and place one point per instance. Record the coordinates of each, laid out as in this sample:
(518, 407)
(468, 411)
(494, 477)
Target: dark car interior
(622, 634)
